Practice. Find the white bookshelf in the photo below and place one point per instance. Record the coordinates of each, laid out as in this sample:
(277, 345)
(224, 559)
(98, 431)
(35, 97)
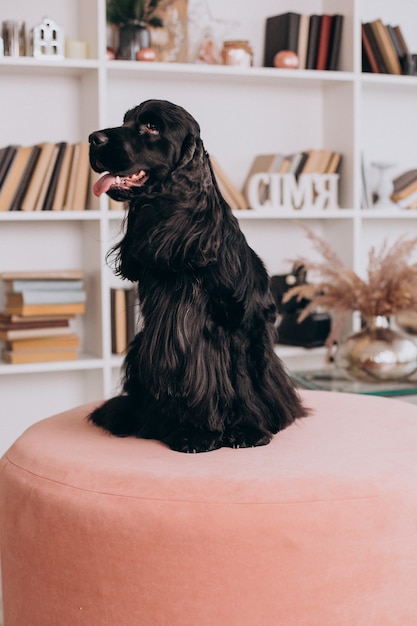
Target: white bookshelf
(241, 112)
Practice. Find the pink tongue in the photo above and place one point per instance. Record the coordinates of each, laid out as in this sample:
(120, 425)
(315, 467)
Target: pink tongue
(103, 184)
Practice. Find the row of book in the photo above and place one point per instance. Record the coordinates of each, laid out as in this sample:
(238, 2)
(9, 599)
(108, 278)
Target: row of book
(44, 177)
(384, 49)
(35, 324)
(316, 39)
(124, 317)
(303, 162)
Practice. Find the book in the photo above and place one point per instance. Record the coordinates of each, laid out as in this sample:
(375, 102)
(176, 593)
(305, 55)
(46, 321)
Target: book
(13, 177)
(303, 40)
(369, 59)
(70, 340)
(53, 182)
(268, 163)
(43, 285)
(298, 161)
(31, 196)
(25, 179)
(79, 201)
(317, 162)
(285, 165)
(63, 177)
(323, 42)
(281, 33)
(333, 165)
(383, 69)
(313, 41)
(7, 155)
(233, 196)
(72, 178)
(400, 38)
(407, 202)
(335, 42)
(118, 320)
(47, 179)
(74, 274)
(18, 319)
(385, 47)
(28, 310)
(50, 296)
(29, 333)
(404, 179)
(404, 185)
(8, 322)
(36, 356)
(396, 43)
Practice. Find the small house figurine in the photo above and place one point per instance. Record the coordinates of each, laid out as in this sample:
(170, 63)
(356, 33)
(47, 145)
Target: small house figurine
(48, 41)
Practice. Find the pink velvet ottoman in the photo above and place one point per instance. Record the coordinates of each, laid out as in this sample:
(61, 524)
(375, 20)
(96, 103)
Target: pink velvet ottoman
(319, 528)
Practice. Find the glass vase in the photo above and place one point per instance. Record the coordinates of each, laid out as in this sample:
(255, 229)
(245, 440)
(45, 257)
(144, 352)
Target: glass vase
(377, 352)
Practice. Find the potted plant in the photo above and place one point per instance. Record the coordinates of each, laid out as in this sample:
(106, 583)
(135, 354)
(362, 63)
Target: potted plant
(390, 287)
(132, 18)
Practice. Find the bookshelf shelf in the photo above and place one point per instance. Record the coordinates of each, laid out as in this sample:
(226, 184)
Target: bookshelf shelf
(384, 81)
(296, 215)
(242, 112)
(222, 73)
(27, 65)
(59, 216)
(83, 363)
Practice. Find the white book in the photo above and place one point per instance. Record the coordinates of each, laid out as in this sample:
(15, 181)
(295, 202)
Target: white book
(47, 296)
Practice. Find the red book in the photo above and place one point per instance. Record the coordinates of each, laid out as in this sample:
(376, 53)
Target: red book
(324, 39)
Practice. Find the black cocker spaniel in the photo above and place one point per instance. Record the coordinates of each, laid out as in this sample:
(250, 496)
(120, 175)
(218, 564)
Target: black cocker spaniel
(202, 372)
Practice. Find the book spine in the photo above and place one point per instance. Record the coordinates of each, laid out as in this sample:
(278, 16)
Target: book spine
(368, 53)
(335, 42)
(37, 296)
(385, 46)
(375, 48)
(323, 43)
(313, 40)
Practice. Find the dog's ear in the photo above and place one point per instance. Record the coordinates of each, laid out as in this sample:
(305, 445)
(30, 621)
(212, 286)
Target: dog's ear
(191, 149)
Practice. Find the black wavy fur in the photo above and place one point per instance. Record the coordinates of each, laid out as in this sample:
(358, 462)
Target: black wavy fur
(202, 373)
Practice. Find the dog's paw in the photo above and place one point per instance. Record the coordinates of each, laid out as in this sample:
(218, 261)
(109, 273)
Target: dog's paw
(193, 440)
(245, 437)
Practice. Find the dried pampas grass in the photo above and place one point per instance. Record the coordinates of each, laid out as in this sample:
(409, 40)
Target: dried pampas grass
(390, 285)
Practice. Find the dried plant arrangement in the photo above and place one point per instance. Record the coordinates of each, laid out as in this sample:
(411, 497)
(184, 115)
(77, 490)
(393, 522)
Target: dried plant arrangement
(389, 288)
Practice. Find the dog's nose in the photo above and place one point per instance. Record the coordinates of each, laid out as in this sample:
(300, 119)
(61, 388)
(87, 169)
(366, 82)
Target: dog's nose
(98, 138)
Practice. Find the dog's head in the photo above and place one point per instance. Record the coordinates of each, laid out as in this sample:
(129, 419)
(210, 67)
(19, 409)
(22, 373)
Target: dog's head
(155, 139)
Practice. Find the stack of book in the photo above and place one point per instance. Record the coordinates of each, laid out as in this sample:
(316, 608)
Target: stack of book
(304, 162)
(35, 322)
(405, 190)
(124, 318)
(44, 177)
(316, 39)
(384, 50)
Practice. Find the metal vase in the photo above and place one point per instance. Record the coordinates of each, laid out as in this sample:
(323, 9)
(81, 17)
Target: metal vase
(377, 352)
(133, 36)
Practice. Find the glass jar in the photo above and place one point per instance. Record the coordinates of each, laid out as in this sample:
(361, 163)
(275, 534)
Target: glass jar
(238, 52)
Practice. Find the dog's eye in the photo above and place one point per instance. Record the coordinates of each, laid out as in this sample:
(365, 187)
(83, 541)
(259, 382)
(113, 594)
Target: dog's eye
(149, 128)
